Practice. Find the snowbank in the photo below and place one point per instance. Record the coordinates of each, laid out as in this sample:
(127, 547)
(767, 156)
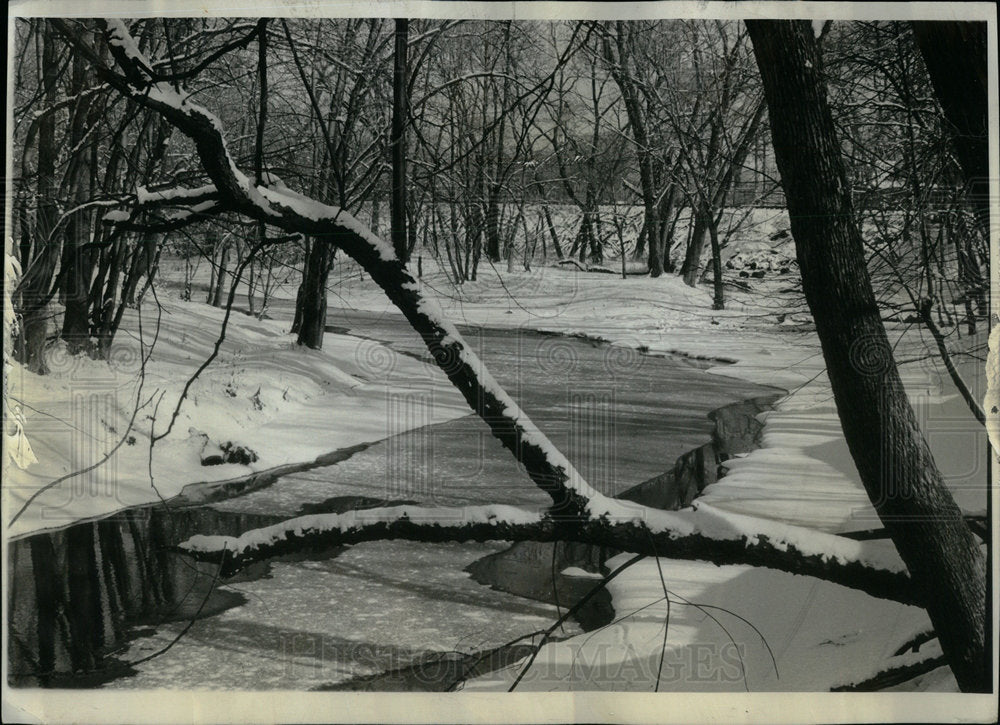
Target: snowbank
(286, 403)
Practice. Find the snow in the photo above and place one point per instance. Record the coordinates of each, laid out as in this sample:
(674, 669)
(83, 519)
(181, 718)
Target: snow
(927, 652)
(144, 196)
(720, 623)
(289, 404)
(578, 573)
(802, 474)
(116, 216)
(16, 447)
(120, 36)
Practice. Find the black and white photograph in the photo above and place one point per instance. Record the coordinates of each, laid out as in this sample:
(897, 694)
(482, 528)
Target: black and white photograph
(500, 362)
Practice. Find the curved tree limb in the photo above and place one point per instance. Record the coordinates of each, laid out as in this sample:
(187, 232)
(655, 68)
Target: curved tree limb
(703, 533)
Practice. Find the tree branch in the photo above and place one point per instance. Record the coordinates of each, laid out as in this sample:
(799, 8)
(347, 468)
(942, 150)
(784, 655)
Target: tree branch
(703, 533)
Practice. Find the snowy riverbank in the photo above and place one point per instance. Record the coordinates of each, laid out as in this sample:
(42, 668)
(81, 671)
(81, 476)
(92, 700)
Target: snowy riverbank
(819, 634)
(291, 405)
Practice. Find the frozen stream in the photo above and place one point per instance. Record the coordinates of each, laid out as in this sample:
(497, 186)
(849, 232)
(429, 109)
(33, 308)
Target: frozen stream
(621, 416)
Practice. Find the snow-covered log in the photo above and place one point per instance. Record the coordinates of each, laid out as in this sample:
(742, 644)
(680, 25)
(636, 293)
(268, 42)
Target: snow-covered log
(703, 533)
(578, 511)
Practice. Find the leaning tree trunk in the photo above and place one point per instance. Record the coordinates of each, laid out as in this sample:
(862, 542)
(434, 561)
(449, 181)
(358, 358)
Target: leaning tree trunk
(892, 457)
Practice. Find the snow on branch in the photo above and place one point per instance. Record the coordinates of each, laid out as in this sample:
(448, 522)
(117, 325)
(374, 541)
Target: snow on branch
(319, 532)
(175, 195)
(703, 533)
(167, 209)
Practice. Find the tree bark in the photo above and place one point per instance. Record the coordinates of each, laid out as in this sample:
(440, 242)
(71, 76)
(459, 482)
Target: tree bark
(399, 117)
(77, 261)
(637, 122)
(220, 275)
(493, 251)
(696, 246)
(552, 230)
(718, 299)
(892, 457)
(310, 302)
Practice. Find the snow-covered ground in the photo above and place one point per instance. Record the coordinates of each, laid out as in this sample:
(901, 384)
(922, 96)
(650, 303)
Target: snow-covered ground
(291, 405)
(286, 403)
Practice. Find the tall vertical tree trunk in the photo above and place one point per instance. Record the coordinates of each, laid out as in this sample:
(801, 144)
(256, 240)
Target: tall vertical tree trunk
(718, 298)
(376, 213)
(399, 117)
(552, 230)
(892, 457)
(696, 245)
(310, 302)
(493, 243)
(637, 122)
(221, 275)
(639, 250)
(666, 231)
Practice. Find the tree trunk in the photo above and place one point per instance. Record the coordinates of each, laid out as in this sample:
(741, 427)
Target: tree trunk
(552, 231)
(718, 299)
(666, 231)
(639, 251)
(493, 222)
(77, 262)
(310, 302)
(892, 457)
(399, 114)
(637, 123)
(692, 259)
(220, 275)
(376, 214)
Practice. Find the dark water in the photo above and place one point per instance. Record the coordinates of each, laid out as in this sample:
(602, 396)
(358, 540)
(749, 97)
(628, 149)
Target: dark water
(621, 417)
